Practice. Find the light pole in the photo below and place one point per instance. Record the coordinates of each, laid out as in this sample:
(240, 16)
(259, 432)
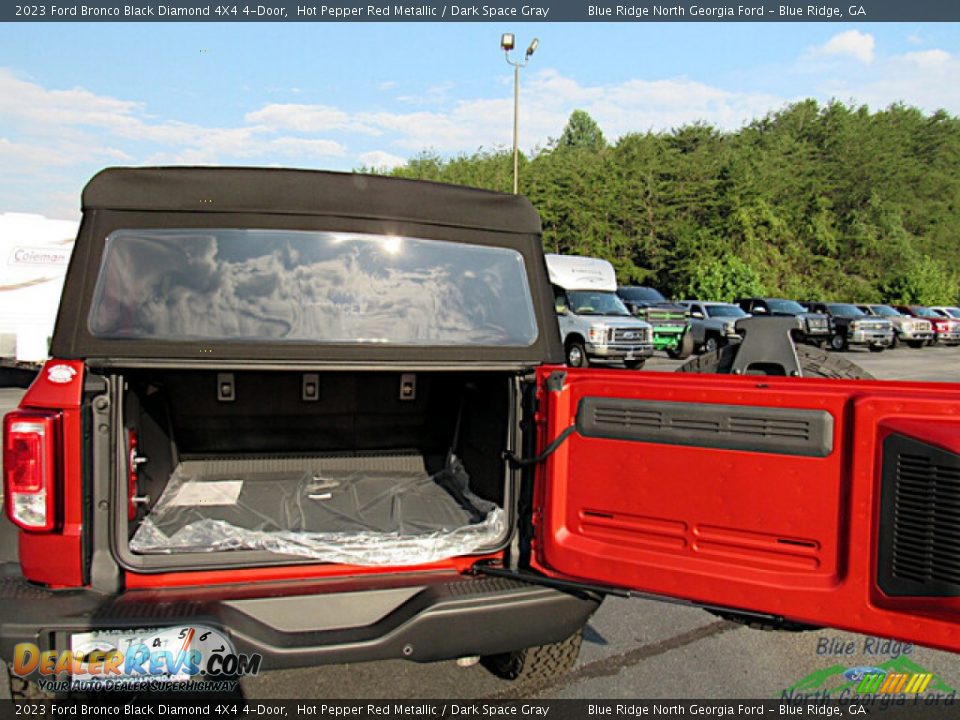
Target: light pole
(507, 42)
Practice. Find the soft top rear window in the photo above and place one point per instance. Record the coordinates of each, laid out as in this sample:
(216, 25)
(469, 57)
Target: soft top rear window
(296, 286)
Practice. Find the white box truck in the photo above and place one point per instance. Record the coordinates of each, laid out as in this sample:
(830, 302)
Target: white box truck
(594, 322)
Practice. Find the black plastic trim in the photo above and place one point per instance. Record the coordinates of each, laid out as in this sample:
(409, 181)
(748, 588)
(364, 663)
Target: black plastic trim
(441, 618)
(918, 544)
(782, 431)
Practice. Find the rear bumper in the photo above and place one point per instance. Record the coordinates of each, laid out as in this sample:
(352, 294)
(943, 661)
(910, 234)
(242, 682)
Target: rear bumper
(431, 617)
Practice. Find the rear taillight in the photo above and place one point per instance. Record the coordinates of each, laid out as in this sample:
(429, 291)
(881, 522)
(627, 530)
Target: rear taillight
(30, 469)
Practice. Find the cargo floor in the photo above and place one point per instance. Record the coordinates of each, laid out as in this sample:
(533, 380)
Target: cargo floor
(369, 510)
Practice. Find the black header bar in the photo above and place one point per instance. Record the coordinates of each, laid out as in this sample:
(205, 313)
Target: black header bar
(893, 707)
(627, 11)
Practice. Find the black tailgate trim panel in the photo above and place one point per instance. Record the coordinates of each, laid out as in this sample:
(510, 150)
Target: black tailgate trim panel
(782, 431)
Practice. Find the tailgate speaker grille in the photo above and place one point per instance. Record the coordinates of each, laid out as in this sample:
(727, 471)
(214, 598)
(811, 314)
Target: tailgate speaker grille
(919, 544)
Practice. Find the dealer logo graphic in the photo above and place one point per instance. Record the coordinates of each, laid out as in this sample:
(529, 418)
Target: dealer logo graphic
(131, 659)
(898, 677)
(894, 682)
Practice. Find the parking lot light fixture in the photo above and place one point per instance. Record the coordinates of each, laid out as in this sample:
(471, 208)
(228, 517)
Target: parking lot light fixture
(508, 42)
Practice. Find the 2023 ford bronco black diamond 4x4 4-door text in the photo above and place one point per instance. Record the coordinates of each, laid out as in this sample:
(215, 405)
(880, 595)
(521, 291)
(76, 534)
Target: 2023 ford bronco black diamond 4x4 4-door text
(326, 415)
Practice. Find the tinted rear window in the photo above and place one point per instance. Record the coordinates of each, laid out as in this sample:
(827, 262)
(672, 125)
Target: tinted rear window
(310, 287)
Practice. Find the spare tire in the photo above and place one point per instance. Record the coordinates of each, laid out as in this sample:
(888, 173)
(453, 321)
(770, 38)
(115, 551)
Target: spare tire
(813, 363)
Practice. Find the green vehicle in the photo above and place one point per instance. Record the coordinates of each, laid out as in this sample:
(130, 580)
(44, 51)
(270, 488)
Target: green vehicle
(671, 323)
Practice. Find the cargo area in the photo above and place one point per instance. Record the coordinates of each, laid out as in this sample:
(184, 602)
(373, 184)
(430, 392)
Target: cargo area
(366, 468)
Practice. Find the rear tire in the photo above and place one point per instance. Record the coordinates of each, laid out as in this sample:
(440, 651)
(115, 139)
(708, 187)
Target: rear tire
(813, 363)
(916, 344)
(894, 341)
(542, 662)
(711, 344)
(877, 348)
(577, 354)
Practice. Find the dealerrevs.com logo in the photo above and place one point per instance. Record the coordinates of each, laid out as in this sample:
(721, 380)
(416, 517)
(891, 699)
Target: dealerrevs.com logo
(190, 656)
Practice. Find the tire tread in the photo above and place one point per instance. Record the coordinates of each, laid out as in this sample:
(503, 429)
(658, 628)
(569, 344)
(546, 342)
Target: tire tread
(814, 362)
(537, 663)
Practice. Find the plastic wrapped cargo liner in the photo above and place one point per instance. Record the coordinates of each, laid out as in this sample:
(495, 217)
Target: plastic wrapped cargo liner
(361, 517)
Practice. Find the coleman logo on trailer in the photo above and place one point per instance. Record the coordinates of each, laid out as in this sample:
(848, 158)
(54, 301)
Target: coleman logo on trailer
(39, 256)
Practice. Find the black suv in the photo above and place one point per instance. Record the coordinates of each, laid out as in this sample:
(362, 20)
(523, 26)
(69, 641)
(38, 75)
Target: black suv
(817, 327)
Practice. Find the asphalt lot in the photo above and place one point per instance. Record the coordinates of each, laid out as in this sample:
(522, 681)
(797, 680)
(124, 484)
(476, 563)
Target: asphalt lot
(637, 648)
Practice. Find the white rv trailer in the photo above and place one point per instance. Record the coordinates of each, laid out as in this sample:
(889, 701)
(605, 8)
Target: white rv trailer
(34, 253)
(594, 322)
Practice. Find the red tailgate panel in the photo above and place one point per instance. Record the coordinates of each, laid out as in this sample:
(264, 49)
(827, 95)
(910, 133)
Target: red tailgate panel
(775, 532)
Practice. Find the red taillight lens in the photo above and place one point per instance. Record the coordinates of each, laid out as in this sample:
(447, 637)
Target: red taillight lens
(29, 469)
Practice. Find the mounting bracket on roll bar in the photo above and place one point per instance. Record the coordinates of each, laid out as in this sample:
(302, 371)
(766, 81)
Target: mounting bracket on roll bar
(767, 347)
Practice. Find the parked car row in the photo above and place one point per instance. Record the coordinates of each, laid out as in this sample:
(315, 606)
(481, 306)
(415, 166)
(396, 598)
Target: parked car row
(599, 320)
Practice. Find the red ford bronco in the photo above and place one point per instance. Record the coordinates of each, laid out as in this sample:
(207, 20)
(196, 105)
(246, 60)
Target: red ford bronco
(326, 416)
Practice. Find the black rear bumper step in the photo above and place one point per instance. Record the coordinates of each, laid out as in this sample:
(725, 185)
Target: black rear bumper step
(424, 618)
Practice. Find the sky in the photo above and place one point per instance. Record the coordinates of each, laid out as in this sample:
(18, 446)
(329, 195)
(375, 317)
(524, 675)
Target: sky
(78, 97)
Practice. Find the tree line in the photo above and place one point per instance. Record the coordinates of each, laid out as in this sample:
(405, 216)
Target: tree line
(813, 202)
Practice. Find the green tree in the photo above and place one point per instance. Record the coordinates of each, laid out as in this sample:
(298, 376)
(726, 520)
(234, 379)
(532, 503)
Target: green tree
(926, 281)
(725, 279)
(822, 202)
(582, 132)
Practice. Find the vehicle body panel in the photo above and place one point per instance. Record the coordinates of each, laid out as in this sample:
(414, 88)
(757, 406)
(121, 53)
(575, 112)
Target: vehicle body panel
(789, 531)
(56, 559)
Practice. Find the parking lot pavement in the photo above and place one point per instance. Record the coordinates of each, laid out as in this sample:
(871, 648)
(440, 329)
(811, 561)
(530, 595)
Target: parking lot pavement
(640, 648)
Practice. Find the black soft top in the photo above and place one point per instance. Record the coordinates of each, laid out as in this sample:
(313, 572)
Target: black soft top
(284, 199)
(307, 192)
